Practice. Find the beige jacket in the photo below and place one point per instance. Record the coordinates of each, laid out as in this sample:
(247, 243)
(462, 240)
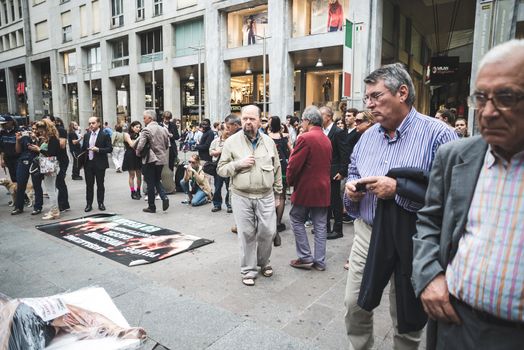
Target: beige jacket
(200, 178)
(262, 178)
(159, 140)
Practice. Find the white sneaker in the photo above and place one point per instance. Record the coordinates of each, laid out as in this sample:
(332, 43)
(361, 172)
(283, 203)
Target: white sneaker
(308, 223)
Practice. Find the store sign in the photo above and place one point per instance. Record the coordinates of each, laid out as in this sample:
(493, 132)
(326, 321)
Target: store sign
(443, 70)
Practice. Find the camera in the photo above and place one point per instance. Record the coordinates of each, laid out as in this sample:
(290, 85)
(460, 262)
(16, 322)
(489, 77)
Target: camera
(25, 133)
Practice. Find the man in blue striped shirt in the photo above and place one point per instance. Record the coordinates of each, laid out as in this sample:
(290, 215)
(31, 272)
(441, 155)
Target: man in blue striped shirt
(402, 138)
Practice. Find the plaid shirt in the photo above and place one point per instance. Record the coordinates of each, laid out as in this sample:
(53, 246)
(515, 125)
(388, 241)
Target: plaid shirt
(488, 270)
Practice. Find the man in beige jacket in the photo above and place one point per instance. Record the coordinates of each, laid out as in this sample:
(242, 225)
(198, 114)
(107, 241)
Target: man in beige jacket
(251, 160)
(156, 138)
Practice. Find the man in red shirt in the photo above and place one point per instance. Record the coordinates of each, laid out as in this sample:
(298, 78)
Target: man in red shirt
(309, 170)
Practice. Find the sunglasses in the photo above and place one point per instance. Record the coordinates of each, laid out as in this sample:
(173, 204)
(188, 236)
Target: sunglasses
(358, 121)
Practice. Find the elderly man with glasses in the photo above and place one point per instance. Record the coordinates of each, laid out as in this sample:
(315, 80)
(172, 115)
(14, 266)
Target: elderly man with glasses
(401, 138)
(468, 267)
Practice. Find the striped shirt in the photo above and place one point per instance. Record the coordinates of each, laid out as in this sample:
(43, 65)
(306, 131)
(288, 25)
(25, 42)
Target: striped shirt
(488, 270)
(414, 145)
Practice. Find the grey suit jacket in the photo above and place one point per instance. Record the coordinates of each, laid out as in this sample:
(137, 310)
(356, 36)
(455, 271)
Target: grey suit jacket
(442, 220)
(158, 138)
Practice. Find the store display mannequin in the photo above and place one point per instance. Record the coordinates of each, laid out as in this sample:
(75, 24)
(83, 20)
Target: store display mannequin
(326, 88)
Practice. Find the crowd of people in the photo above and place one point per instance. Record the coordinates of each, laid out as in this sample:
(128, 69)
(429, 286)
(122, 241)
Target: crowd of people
(439, 219)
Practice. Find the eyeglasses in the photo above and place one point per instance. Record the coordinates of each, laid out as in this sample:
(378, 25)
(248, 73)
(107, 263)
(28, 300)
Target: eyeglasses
(502, 100)
(358, 121)
(374, 97)
(305, 120)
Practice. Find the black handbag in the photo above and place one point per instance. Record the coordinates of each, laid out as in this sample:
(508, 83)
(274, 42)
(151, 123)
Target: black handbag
(210, 168)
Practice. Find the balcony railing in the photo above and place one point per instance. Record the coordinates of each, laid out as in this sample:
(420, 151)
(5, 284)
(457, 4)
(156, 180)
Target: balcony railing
(155, 56)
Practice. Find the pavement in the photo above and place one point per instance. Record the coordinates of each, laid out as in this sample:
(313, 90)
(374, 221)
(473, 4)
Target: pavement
(194, 300)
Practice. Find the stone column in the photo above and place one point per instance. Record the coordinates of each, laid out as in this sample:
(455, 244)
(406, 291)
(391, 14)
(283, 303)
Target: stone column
(136, 81)
(217, 74)
(108, 85)
(10, 84)
(59, 99)
(34, 91)
(281, 66)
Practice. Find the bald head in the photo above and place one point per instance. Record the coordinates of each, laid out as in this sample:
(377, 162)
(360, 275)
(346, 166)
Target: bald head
(250, 117)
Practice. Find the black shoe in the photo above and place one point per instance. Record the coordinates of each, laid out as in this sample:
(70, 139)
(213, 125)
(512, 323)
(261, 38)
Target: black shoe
(63, 210)
(165, 204)
(229, 210)
(277, 241)
(137, 194)
(281, 227)
(77, 177)
(334, 235)
(347, 219)
(101, 206)
(17, 211)
(88, 208)
(133, 195)
(149, 210)
(215, 209)
(36, 211)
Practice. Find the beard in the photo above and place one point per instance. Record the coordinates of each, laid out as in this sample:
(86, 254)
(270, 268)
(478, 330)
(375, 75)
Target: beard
(249, 131)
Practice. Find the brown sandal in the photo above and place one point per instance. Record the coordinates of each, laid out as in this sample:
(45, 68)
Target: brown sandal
(248, 281)
(267, 271)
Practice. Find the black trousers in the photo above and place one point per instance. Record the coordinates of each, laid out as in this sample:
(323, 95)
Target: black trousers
(63, 195)
(335, 209)
(152, 176)
(92, 174)
(173, 153)
(76, 170)
(11, 163)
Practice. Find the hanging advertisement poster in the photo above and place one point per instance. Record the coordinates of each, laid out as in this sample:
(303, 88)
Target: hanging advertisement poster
(253, 25)
(327, 16)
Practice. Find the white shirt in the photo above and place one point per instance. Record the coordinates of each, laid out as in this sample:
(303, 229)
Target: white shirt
(92, 141)
(328, 129)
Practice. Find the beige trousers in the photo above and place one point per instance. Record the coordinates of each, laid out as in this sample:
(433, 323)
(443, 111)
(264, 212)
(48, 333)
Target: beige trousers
(359, 322)
(256, 224)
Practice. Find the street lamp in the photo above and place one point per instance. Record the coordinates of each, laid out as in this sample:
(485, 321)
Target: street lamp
(264, 38)
(199, 49)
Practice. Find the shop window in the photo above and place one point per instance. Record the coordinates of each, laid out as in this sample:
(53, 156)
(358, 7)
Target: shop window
(318, 16)
(324, 87)
(120, 53)
(94, 59)
(245, 27)
(117, 13)
(242, 90)
(187, 35)
(140, 10)
(151, 45)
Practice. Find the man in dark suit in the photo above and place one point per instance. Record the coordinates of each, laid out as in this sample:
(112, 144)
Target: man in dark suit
(467, 268)
(339, 170)
(308, 171)
(352, 138)
(97, 145)
(168, 123)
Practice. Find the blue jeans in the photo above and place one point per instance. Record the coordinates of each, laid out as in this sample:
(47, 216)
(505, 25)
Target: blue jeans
(217, 195)
(198, 198)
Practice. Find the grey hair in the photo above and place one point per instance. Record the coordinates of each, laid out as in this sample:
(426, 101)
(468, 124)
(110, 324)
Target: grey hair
(501, 53)
(249, 107)
(233, 119)
(151, 113)
(326, 110)
(312, 114)
(394, 76)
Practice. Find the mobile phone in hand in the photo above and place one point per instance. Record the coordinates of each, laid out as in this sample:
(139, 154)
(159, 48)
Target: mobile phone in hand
(360, 187)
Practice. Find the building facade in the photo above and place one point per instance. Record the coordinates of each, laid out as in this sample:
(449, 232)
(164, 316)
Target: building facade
(207, 58)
